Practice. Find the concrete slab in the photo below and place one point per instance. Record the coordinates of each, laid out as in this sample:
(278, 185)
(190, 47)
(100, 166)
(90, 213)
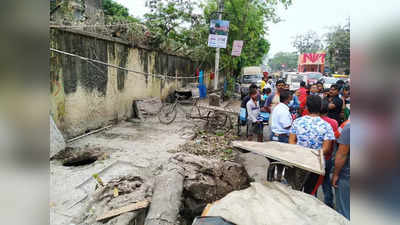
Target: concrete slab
(295, 155)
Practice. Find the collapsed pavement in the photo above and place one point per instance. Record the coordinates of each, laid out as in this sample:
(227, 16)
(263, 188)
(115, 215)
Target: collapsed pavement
(149, 173)
(140, 149)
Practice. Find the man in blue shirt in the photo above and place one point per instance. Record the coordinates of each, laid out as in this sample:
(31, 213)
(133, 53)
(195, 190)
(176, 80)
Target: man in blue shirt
(311, 131)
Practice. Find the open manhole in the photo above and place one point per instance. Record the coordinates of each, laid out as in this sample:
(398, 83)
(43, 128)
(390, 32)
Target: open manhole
(82, 160)
(72, 157)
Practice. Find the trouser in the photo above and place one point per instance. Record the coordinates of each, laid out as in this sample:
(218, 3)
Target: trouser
(310, 183)
(326, 185)
(343, 197)
(283, 139)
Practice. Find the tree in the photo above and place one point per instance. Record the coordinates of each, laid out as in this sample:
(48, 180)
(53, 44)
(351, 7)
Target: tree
(289, 59)
(176, 27)
(308, 42)
(116, 13)
(338, 48)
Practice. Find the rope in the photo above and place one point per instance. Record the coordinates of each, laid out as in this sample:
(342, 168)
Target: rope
(118, 67)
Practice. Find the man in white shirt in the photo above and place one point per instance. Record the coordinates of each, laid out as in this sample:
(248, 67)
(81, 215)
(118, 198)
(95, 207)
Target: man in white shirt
(253, 120)
(281, 119)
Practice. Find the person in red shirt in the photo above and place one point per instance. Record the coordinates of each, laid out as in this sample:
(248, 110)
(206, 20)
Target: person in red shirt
(325, 180)
(313, 91)
(302, 96)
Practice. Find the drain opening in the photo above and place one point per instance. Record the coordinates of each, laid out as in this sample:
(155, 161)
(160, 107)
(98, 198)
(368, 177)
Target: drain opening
(80, 161)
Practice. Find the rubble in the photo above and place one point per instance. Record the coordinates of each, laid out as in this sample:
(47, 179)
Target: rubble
(207, 180)
(131, 189)
(211, 145)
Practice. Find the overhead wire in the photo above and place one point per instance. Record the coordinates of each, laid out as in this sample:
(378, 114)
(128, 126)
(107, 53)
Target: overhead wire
(91, 25)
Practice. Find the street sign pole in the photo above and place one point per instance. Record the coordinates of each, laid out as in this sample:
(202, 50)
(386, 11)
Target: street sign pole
(220, 8)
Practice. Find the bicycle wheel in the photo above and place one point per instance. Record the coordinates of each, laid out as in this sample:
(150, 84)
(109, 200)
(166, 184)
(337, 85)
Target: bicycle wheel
(167, 113)
(216, 119)
(194, 113)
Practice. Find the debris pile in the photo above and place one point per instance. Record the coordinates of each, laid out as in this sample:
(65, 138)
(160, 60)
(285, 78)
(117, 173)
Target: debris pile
(212, 145)
(118, 193)
(207, 180)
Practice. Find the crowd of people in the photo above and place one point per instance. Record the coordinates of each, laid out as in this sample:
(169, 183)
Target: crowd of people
(312, 117)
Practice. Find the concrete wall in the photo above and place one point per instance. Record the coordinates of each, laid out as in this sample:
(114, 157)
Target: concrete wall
(78, 12)
(85, 96)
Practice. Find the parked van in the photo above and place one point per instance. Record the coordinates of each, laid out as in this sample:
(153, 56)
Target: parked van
(249, 75)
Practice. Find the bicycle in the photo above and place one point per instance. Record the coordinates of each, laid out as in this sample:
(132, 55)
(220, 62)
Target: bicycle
(167, 113)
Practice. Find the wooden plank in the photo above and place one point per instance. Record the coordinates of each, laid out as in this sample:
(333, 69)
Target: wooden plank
(295, 155)
(125, 209)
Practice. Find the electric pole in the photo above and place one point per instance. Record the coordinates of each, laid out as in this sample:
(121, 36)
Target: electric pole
(220, 10)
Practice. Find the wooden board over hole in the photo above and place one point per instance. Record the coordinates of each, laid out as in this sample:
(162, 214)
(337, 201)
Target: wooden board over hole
(125, 209)
(295, 155)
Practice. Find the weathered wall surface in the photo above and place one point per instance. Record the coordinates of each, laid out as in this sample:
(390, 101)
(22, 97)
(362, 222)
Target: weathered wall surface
(78, 12)
(86, 95)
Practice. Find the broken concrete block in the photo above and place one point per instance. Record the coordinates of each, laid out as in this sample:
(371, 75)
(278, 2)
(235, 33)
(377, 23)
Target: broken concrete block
(166, 200)
(149, 106)
(214, 99)
(57, 142)
(207, 180)
(256, 166)
(274, 203)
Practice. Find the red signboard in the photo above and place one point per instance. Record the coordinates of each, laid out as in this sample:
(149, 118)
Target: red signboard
(312, 58)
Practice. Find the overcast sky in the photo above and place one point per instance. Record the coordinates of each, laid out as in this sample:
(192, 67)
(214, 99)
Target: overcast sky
(305, 15)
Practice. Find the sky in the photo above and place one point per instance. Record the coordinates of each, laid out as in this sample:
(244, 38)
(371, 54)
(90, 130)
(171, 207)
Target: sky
(305, 15)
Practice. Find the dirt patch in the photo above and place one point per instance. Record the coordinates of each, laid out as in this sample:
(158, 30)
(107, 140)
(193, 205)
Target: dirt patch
(212, 145)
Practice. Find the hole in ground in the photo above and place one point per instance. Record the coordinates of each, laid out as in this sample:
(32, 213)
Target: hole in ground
(80, 161)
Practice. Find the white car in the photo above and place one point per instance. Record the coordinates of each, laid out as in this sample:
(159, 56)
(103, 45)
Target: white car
(328, 81)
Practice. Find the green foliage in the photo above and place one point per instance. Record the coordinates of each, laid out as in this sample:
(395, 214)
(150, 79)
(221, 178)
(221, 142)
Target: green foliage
(307, 42)
(165, 24)
(230, 89)
(116, 13)
(288, 58)
(53, 5)
(219, 133)
(338, 48)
